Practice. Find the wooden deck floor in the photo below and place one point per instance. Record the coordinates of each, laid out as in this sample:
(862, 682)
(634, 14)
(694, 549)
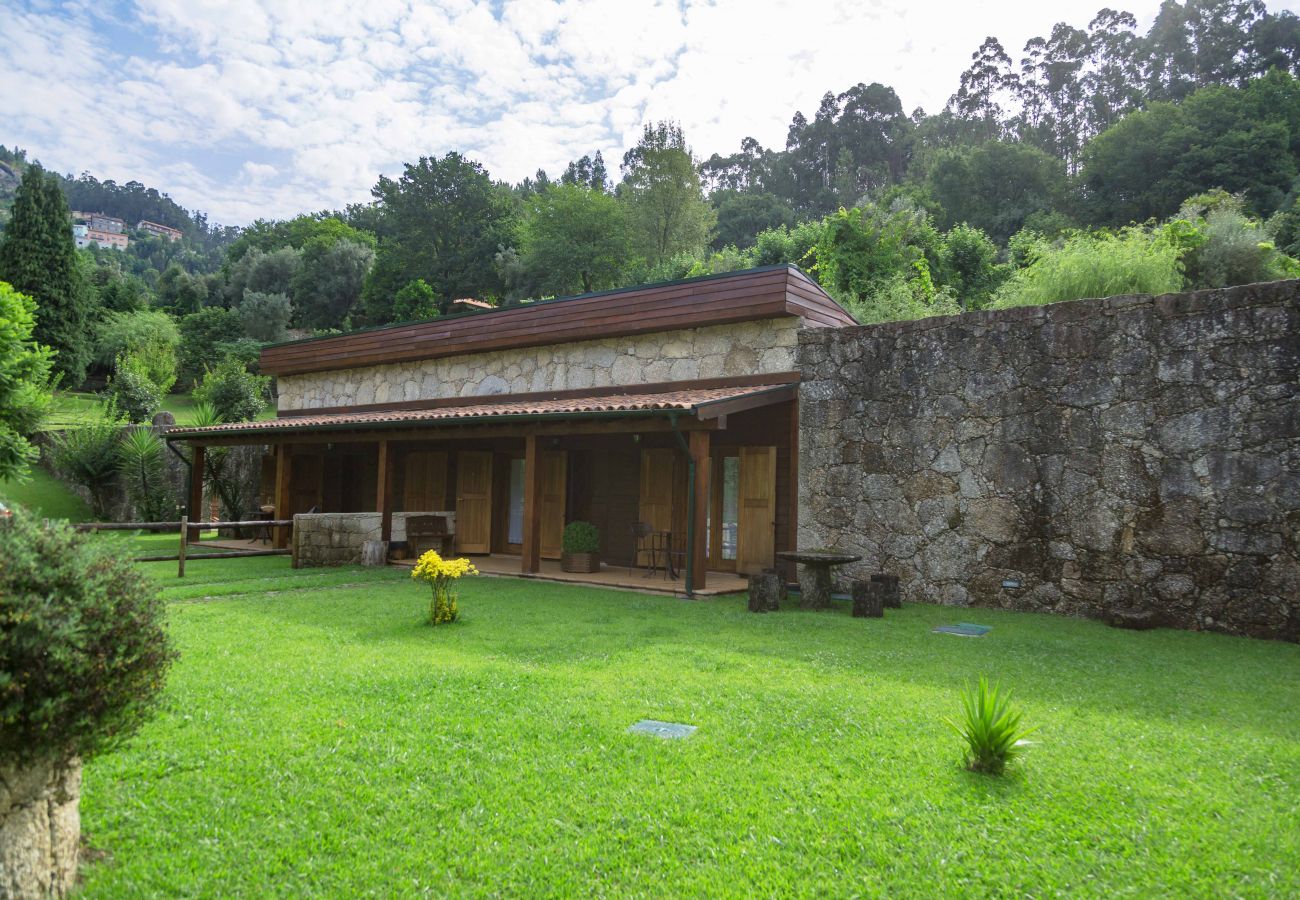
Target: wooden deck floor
(615, 577)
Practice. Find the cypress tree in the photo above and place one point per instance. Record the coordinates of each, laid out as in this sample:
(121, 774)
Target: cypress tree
(39, 258)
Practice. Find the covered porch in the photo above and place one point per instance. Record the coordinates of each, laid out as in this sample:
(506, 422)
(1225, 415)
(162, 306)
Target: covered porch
(709, 469)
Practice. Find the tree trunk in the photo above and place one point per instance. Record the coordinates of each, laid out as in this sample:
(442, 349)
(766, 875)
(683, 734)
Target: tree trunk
(868, 599)
(892, 593)
(40, 829)
(765, 590)
(374, 553)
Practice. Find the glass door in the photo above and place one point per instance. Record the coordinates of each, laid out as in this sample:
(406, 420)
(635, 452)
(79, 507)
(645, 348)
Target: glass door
(515, 509)
(724, 512)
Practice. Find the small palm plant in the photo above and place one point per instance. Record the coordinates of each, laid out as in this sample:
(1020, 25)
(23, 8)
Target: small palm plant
(990, 727)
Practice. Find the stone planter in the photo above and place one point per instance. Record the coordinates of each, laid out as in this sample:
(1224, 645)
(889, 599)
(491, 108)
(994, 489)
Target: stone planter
(40, 829)
(580, 562)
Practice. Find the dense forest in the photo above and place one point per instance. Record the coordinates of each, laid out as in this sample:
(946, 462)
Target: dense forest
(1101, 161)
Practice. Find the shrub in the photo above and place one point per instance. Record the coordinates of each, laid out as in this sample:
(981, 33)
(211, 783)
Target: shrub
(415, 300)
(202, 334)
(990, 728)
(87, 456)
(82, 640)
(140, 461)
(24, 382)
(125, 332)
(1096, 264)
(132, 391)
(234, 393)
(440, 574)
(581, 537)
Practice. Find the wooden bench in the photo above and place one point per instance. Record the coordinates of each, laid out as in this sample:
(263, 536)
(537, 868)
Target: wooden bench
(428, 530)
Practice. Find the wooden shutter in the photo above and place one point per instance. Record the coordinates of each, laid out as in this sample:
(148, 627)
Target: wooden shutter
(474, 501)
(656, 502)
(424, 487)
(756, 540)
(555, 467)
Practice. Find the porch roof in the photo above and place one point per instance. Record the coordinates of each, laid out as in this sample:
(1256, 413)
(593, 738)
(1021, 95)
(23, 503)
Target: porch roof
(698, 403)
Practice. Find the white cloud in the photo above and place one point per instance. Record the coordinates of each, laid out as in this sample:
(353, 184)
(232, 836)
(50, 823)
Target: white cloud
(342, 91)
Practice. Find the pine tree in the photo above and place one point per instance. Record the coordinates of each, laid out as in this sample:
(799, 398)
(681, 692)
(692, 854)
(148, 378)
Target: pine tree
(38, 257)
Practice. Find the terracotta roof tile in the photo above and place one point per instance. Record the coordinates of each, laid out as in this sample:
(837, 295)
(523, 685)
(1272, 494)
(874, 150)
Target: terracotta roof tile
(688, 400)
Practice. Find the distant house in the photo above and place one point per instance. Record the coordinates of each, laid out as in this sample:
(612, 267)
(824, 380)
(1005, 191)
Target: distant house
(99, 229)
(172, 234)
(469, 304)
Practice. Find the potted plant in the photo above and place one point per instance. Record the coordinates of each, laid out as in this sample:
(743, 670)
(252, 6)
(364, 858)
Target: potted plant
(581, 548)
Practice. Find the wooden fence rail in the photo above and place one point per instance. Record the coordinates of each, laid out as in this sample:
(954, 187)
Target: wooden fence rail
(185, 527)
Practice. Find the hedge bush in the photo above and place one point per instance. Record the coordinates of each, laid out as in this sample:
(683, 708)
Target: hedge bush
(83, 653)
(581, 537)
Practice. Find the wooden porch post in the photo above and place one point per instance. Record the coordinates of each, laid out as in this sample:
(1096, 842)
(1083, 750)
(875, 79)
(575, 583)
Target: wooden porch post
(282, 495)
(532, 551)
(792, 538)
(194, 508)
(384, 492)
(700, 547)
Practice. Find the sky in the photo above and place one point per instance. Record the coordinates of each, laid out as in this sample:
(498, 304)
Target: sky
(251, 109)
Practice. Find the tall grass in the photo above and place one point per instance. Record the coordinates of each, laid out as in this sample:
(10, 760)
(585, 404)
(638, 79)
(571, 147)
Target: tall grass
(1098, 264)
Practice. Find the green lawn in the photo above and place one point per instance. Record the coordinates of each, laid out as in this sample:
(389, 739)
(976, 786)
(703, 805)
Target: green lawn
(45, 496)
(72, 408)
(318, 739)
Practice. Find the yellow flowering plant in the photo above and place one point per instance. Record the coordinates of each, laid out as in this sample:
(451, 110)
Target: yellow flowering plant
(441, 573)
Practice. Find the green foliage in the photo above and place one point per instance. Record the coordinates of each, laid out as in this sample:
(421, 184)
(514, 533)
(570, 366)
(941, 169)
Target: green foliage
(181, 290)
(416, 300)
(38, 258)
(140, 463)
(995, 186)
(329, 283)
(1095, 264)
(274, 272)
(1222, 246)
(744, 216)
(202, 335)
(443, 220)
(219, 473)
(25, 387)
(82, 641)
(861, 250)
(991, 728)
(87, 456)
(573, 239)
(1238, 139)
(968, 263)
(443, 607)
(662, 196)
(132, 391)
(233, 392)
(900, 299)
(581, 537)
(265, 317)
(787, 245)
(132, 331)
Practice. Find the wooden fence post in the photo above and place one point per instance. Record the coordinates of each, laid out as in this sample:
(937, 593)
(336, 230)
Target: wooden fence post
(185, 536)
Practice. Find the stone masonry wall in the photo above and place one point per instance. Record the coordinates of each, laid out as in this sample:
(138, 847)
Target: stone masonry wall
(1129, 454)
(745, 348)
(335, 539)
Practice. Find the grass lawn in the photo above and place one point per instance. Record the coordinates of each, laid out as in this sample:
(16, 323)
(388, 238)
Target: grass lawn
(72, 408)
(318, 739)
(46, 496)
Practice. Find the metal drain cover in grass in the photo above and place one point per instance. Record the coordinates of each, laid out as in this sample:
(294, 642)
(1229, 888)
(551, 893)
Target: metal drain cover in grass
(661, 729)
(965, 629)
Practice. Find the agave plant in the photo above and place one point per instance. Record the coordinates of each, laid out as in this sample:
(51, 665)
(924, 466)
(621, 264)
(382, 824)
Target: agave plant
(140, 461)
(990, 727)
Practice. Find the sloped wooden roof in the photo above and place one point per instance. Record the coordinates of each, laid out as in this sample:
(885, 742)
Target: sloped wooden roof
(752, 294)
(701, 403)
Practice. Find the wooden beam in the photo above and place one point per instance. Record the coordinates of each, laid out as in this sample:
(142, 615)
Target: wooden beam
(384, 491)
(531, 561)
(792, 538)
(699, 443)
(282, 511)
(194, 507)
(769, 397)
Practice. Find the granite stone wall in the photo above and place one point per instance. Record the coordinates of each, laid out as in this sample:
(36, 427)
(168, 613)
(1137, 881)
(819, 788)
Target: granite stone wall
(744, 348)
(335, 539)
(1134, 456)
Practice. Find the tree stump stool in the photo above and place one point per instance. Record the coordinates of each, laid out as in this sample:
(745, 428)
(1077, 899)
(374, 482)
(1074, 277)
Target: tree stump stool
(374, 553)
(893, 593)
(868, 600)
(765, 590)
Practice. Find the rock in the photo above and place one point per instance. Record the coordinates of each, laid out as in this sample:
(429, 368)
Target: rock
(40, 829)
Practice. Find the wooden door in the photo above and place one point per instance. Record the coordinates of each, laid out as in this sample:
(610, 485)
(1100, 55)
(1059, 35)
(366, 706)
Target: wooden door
(305, 481)
(756, 537)
(424, 486)
(656, 502)
(474, 501)
(554, 472)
